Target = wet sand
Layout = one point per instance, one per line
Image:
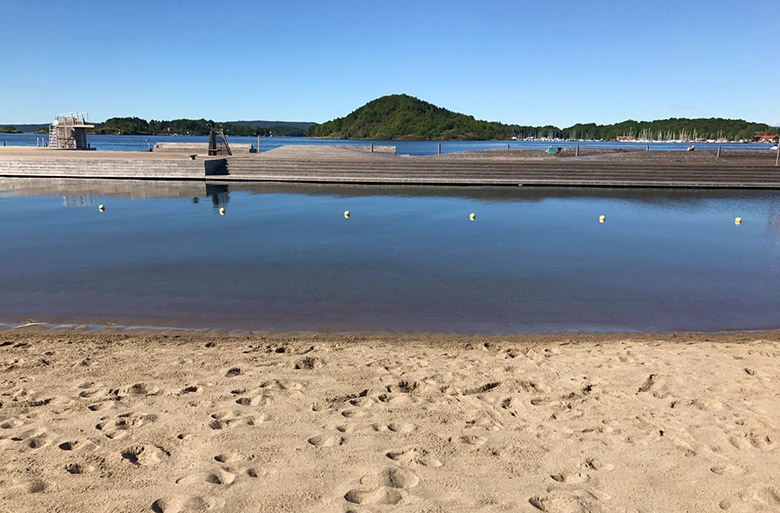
(181, 421)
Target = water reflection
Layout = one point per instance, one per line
(408, 258)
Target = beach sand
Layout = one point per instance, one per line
(178, 421)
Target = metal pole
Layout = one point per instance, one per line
(372, 147)
(777, 159)
(439, 148)
(718, 151)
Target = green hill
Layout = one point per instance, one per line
(400, 116)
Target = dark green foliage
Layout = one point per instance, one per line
(672, 129)
(138, 126)
(9, 130)
(401, 116)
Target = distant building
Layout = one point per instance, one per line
(69, 132)
(765, 138)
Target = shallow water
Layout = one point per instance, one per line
(407, 259)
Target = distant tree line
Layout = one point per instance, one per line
(9, 130)
(402, 116)
(138, 126)
(672, 129)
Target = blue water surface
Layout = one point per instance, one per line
(407, 259)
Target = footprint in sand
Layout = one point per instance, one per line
(37, 486)
(472, 440)
(353, 413)
(101, 405)
(753, 441)
(727, 470)
(281, 384)
(378, 496)
(79, 468)
(554, 504)
(401, 427)
(414, 457)
(597, 464)
(570, 477)
(221, 477)
(226, 458)
(386, 487)
(753, 500)
(10, 423)
(145, 455)
(80, 445)
(233, 372)
(119, 427)
(326, 440)
(223, 420)
(140, 389)
(309, 363)
(37, 441)
(392, 477)
(181, 503)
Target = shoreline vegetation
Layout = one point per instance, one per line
(180, 421)
(401, 117)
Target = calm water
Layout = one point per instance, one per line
(285, 258)
(143, 143)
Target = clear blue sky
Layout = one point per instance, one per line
(514, 61)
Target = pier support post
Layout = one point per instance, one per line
(439, 148)
(718, 151)
(372, 147)
(647, 148)
(258, 144)
(777, 159)
(577, 151)
(507, 146)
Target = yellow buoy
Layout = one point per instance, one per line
(102, 208)
(738, 220)
(346, 214)
(602, 218)
(222, 211)
(472, 216)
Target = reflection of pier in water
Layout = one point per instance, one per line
(78, 192)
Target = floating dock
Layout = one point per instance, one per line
(356, 165)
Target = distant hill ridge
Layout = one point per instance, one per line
(400, 116)
(303, 125)
(134, 125)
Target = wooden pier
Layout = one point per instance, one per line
(345, 165)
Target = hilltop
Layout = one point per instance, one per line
(400, 116)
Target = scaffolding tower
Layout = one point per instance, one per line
(69, 132)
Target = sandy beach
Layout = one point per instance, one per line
(180, 421)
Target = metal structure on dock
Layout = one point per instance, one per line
(218, 144)
(69, 132)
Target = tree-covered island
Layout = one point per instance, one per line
(404, 117)
(139, 126)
